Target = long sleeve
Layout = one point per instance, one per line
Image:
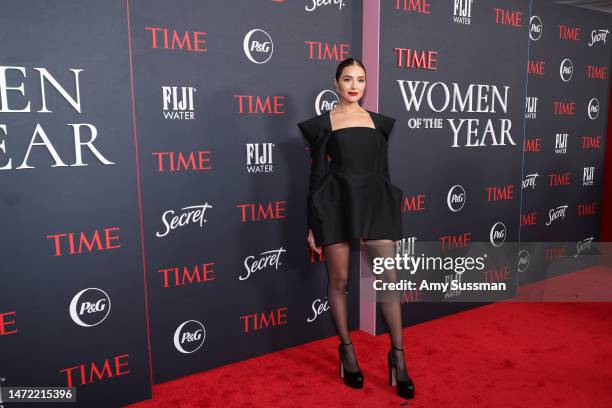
(386, 125)
(318, 165)
(385, 165)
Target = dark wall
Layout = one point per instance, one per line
(242, 109)
(194, 107)
(72, 299)
(565, 139)
(434, 154)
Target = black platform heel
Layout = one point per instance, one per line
(405, 388)
(351, 379)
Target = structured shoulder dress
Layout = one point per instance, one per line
(351, 195)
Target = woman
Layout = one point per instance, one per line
(354, 198)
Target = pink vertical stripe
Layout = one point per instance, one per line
(370, 58)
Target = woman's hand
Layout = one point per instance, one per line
(313, 245)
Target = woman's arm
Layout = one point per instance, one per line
(318, 165)
(386, 125)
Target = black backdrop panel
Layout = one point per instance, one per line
(247, 72)
(72, 296)
(222, 168)
(475, 50)
(567, 105)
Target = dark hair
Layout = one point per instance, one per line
(347, 62)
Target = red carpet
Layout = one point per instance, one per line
(501, 355)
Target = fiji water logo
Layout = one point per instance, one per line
(178, 102)
(405, 247)
(462, 11)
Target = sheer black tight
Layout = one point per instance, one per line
(337, 258)
(389, 300)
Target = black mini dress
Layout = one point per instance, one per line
(352, 196)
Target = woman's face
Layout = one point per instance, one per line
(351, 83)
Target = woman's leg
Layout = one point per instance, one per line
(337, 256)
(390, 302)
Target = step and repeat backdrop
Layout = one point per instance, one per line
(72, 299)
(501, 111)
(458, 94)
(218, 89)
(153, 179)
(567, 117)
(150, 156)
